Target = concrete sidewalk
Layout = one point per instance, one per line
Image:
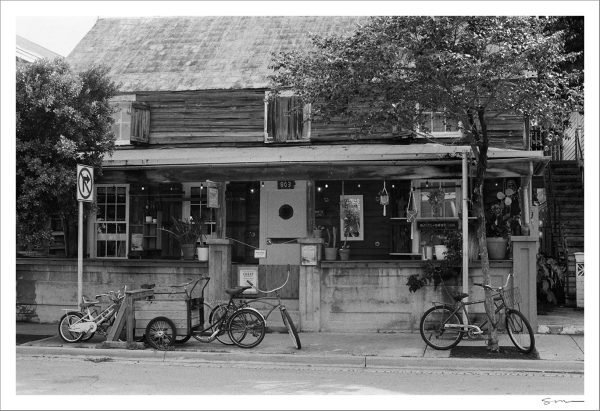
(558, 353)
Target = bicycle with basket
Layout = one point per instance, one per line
(442, 325)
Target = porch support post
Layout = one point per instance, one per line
(219, 269)
(525, 249)
(309, 293)
(526, 229)
(465, 227)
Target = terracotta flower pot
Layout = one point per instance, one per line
(497, 248)
(188, 251)
(344, 254)
(439, 251)
(330, 253)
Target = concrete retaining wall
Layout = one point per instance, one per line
(45, 286)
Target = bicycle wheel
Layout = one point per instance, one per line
(246, 328)
(161, 333)
(63, 327)
(289, 324)
(180, 339)
(206, 324)
(433, 329)
(220, 311)
(520, 331)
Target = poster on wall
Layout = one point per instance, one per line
(248, 273)
(352, 218)
(308, 254)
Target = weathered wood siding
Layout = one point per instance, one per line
(218, 116)
(237, 116)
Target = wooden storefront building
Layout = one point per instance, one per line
(193, 118)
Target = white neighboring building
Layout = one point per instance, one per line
(28, 51)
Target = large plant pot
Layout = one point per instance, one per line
(188, 251)
(497, 248)
(427, 252)
(330, 253)
(202, 253)
(344, 254)
(317, 233)
(439, 251)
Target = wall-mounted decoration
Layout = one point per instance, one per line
(248, 273)
(308, 254)
(351, 216)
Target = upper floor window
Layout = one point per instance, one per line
(286, 119)
(122, 125)
(439, 124)
(132, 122)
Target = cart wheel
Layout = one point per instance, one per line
(180, 339)
(161, 333)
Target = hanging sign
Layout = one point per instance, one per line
(438, 225)
(260, 253)
(85, 182)
(212, 194)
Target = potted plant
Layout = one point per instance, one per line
(436, 197)
(188, 231)
(498, 232)
(318, 231)
(330, 248)
(351, 224)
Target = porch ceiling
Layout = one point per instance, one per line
(331, 159)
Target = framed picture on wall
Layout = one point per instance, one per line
(352, 218)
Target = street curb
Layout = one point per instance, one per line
(449, 364)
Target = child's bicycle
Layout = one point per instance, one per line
(81, 325)
(442, 326)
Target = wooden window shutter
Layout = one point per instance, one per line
(140, 123)
(285, 121)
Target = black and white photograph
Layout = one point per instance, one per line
(299, 205)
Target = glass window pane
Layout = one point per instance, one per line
(101, 195)
(121, 228)
(101, 228)
(111, 228)
(438, 122)
(120, 213)
(121, 195)
(122, 249)
(111, 248)
(101, 248)
(110, 213)
(110, 195)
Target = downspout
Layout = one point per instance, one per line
(465, 231)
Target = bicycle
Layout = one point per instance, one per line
(287, 320)
(441, 328)
(245, 326)
(82, 325)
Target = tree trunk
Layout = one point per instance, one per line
(490, 308)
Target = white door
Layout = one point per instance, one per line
(283, 219)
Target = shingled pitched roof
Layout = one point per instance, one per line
(196, 53)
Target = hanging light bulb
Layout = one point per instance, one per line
(358, 185)
(427, 183)
(319, 189)
(252, 190)
(326, 185)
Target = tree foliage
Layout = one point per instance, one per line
(392, 69)
(62, 119)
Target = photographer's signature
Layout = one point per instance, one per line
(548, 401)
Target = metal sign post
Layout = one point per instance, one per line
(85, 189)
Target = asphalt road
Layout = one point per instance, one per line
(68, 375)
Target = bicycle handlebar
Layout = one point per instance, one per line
(489, 287)
(276, 289)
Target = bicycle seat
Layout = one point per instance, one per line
(86, 304)
(459, 296)
(238, 290)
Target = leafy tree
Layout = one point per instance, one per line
(63, 119)
(392, 69)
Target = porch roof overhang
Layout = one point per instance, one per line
(320, 161)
